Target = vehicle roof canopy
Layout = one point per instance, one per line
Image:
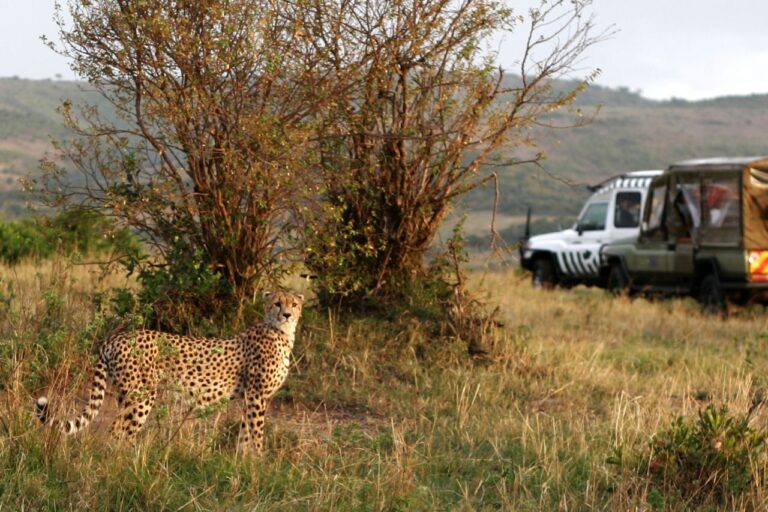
(721, 164)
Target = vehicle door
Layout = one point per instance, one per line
(582, 256)
(649, 264)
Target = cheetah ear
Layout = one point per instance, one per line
(266, 295)
(300, 297)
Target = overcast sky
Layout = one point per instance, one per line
(690, 49)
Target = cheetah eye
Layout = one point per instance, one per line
(277, 304)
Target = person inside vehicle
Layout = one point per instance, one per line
(627, 212)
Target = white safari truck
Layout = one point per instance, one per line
(612, 212)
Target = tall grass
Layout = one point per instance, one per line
(388, 414)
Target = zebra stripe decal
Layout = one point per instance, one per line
(578, 263)
(564, 268)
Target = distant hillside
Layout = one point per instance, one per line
(629, 132)
(28, 120)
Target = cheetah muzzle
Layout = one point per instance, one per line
(250, 366)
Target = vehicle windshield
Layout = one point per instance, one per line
(593, 218)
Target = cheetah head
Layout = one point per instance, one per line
(282, 310)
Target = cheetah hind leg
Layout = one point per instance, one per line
(133, 409)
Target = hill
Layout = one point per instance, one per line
(629, 132)
(28, 120)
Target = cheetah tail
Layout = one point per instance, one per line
(89, 413)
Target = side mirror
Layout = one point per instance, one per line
(579, 229)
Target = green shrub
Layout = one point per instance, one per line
(87, 232)
(67, 233)
(180, 293)
(435, 296)
(20, 240)
(710, 458)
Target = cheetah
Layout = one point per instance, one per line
(250, 366)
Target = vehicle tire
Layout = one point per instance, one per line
(711, 296)
(618, 283)
(544, 277)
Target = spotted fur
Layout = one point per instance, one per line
(252, 366)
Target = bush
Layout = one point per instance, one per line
(67, 233)
(435, 296)
(711, 458)
(87, 232)
(341, 256)
(177, 294)
(22, 240)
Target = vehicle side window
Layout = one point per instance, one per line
(655, 214)
(626, 213)
(594, 217)
(721, 219)
(691, 193)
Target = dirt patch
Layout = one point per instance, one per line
(319, 421)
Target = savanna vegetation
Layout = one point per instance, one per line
(247, 142)
(579, 401)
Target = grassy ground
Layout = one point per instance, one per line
(390, 413)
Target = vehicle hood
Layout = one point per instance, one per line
(556, 236)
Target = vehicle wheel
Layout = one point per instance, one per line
(711, 296)
(618, 283)
(544, 274)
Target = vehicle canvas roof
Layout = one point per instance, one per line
(721, 164)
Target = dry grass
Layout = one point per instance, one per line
(385, 414)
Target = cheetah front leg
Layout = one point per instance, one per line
(252, 425)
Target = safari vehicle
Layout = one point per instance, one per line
(704, 233)
(572, 256)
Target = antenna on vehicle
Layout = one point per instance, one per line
(527, 223)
